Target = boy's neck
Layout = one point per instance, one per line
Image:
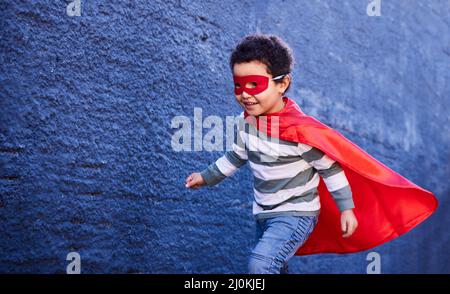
(281, 106)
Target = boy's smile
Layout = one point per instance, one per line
(255, 89)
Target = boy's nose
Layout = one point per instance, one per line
(245, 95)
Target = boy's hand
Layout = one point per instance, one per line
(195, 181)
(348, 223)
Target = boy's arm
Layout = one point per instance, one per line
(227, 164)
(332, 174)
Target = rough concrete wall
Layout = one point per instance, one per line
(85, 126)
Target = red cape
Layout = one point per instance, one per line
(387, 205)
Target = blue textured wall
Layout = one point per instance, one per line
(85, 126)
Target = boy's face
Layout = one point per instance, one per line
(263, 102)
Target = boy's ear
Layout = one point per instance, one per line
(286, 82)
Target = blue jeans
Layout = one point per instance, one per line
(278, 239)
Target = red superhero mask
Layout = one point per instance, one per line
(252, 84)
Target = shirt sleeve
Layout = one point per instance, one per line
(227, 164)
(332, 174)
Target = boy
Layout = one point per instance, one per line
(287, 170)
(288, 184)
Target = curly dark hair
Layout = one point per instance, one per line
(268, 49)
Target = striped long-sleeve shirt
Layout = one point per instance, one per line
(286, 174)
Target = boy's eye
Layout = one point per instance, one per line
(237, 85)
(250, 85)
